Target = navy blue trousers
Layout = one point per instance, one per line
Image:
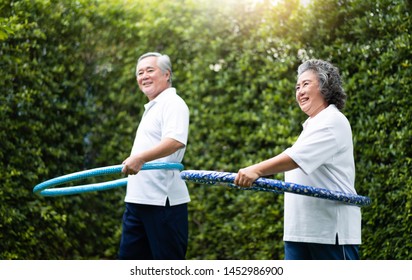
(154, 232)
(315, 251)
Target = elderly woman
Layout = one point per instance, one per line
(321, 157)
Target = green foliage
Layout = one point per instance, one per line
(69, 101)
(381, 123)
(45, 122)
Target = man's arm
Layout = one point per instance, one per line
(134, 163)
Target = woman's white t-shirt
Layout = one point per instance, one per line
(324, 153)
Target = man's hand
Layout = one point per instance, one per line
(132, 165)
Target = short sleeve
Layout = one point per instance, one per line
(175, 120)
(313, 148)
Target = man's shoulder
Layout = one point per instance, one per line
(172, 97)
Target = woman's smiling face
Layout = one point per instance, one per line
(308, 95)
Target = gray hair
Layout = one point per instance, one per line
(330, 83)
(163, 62)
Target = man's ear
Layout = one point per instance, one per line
(168, 76)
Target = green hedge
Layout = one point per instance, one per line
(69, 101)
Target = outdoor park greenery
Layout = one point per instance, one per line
(69, 102)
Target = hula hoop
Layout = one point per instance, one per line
(43, 188)
(196, 176)
(270, 185)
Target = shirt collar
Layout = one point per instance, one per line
(161, 97)
(308, 120)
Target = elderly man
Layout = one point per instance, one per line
(155, 221)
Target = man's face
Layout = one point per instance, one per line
(150, 78)
(308, 95)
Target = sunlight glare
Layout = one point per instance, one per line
(305, 3)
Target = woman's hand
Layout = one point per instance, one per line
(246, 176)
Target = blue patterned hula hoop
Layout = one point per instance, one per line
(44, 188)
(270, 185)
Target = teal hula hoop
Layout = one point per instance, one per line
(44, 188)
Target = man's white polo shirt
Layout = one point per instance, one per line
(166, 116)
